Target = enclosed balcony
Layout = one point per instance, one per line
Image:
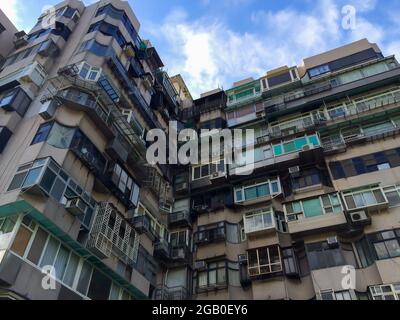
(365, 198)
(171, 293)
(15, 100)
(210, 234)
(112, 234)
(313, 215)
(83, 101)
(299, 124)
(265, 262)
(260, 222)
(179, 219)
(45, 178)
(142, 224)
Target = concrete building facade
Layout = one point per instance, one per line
(83, 215)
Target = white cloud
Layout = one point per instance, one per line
(13, 9)
(208, 53)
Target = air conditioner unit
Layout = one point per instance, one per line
(307, 147)
(76, 206)
(332, 242)
(218, 175)
(359, 217)
(48, 110)
(199, 265)
(294, 171)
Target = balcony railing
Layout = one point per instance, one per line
(87, 101)
(297, 125)
(210, 236)
(181, 218)
(106, 237)
(340, 143)
(364, 105)
(173, 293)
(142, 224)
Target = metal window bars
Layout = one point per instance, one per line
(106, 236)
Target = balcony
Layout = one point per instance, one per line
(162, 250)
(142, 225)
(294, 126)
(261, 222)
(179, 219)
(174, 293)
(211, 235)
(339, 143)
(45, 178)
(135, 68)
(82, 101)
(33, 72)
(370, 198)
(133, 91)
(111, 234)
(15, 100)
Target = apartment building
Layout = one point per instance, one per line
(77, 95)
(83, 215)
(318, 218)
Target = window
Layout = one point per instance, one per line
(45, 250)
(321, 255)
(264, 261)
(309, 177)
(124, 182)
(259, 220)
(386, 244)
(53, 181)
(204, 171)
(213, 276)
(120, 15)
(364, 198)
(318, 70)
(392, 193)
(109, 30)
(88, 72)
(290, 262)
(210, 233)
(15, 100)
(385, 292)
(6, 232)
(254, 190)
(335, 295)
(296, 145)
(42, 133)
(313, 207)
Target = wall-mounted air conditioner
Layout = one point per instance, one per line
(76, 206)
(359, 217)
(48, 110)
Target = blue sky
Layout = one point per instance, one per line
(213, 43)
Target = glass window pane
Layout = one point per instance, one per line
(263, 190)
(32, 177)
(16, 183)
(393, 248)
(50, 252)
(61, 262)
(71, 270)
(84, 278)
(312, 208)
(250, 193)
(100, 286)
(21, 240)
(37, 246)
(48, 179)
(381, 251)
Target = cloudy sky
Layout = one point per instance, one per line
(213, 43)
